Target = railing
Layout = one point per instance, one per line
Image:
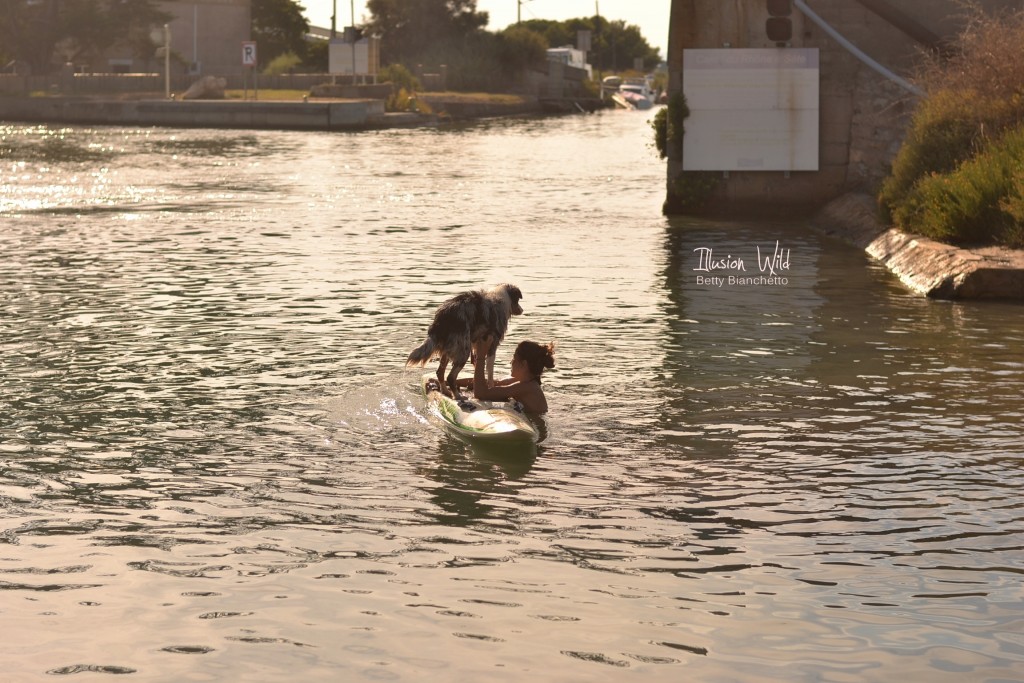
(119, 84)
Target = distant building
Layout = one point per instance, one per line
(208, 34)
(572, 57)
(206, 39)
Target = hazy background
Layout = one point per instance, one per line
(651, 16)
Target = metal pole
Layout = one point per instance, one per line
(167, 61)
(353, 7)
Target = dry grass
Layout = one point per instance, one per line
(986, 58)
(951, 177)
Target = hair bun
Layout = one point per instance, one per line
(549, 357)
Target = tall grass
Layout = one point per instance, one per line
(978, 202)
(958, 175)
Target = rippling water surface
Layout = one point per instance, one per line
(214, 467)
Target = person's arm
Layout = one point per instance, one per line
(482, 389)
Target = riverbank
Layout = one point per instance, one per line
(280, 114)
(925, 266)
(298, 114)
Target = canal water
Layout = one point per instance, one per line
(214, 466)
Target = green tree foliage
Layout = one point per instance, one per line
(315, 60)
(451, 32)
(410, 29)
(615, 45)
(278, 27)
(48, 33)
(400, 78)
(521, 48)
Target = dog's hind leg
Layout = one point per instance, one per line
(440, 375)
(453, 376)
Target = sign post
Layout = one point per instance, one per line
(249, 60)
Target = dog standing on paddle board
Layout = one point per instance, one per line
(460, 322)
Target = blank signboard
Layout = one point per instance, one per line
(751, 109)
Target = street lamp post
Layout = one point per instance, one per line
(167, 61)
(164, 34)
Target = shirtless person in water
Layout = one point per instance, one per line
(529, 362)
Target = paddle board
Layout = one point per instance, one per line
(477, 420)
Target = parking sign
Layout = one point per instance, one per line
(249, 53)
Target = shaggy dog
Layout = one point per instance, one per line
(459, 323)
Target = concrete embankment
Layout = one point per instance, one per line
(313, 114)
(925, 266)
(323, 115)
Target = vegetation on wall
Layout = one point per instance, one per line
(689, 190)
(959, 176)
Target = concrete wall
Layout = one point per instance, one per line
(352, 114)
(863, 116)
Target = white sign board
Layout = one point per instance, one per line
(583, 40)
(366, 54)
(249, 53)
(751, 109)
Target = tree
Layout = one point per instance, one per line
(617, 44)
(411, 28)
(614, 44)
(521, 49)
(48, 31)
(279, 27)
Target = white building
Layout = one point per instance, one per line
(572, 57)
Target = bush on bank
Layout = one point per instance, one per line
(959, 176)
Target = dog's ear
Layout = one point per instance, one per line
(514, 292)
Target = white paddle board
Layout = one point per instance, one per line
(477, 420)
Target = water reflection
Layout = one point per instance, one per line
(469, 481)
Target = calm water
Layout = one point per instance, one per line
(214, 467)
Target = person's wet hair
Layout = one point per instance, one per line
(538, 357)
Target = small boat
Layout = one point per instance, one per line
(637, 92)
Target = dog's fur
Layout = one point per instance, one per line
(460, 322)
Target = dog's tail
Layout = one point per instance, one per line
(422, 353)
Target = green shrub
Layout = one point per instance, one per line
(400, 78)
(942, 134)
(980, 201)
(403, 100)
(282, 64)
